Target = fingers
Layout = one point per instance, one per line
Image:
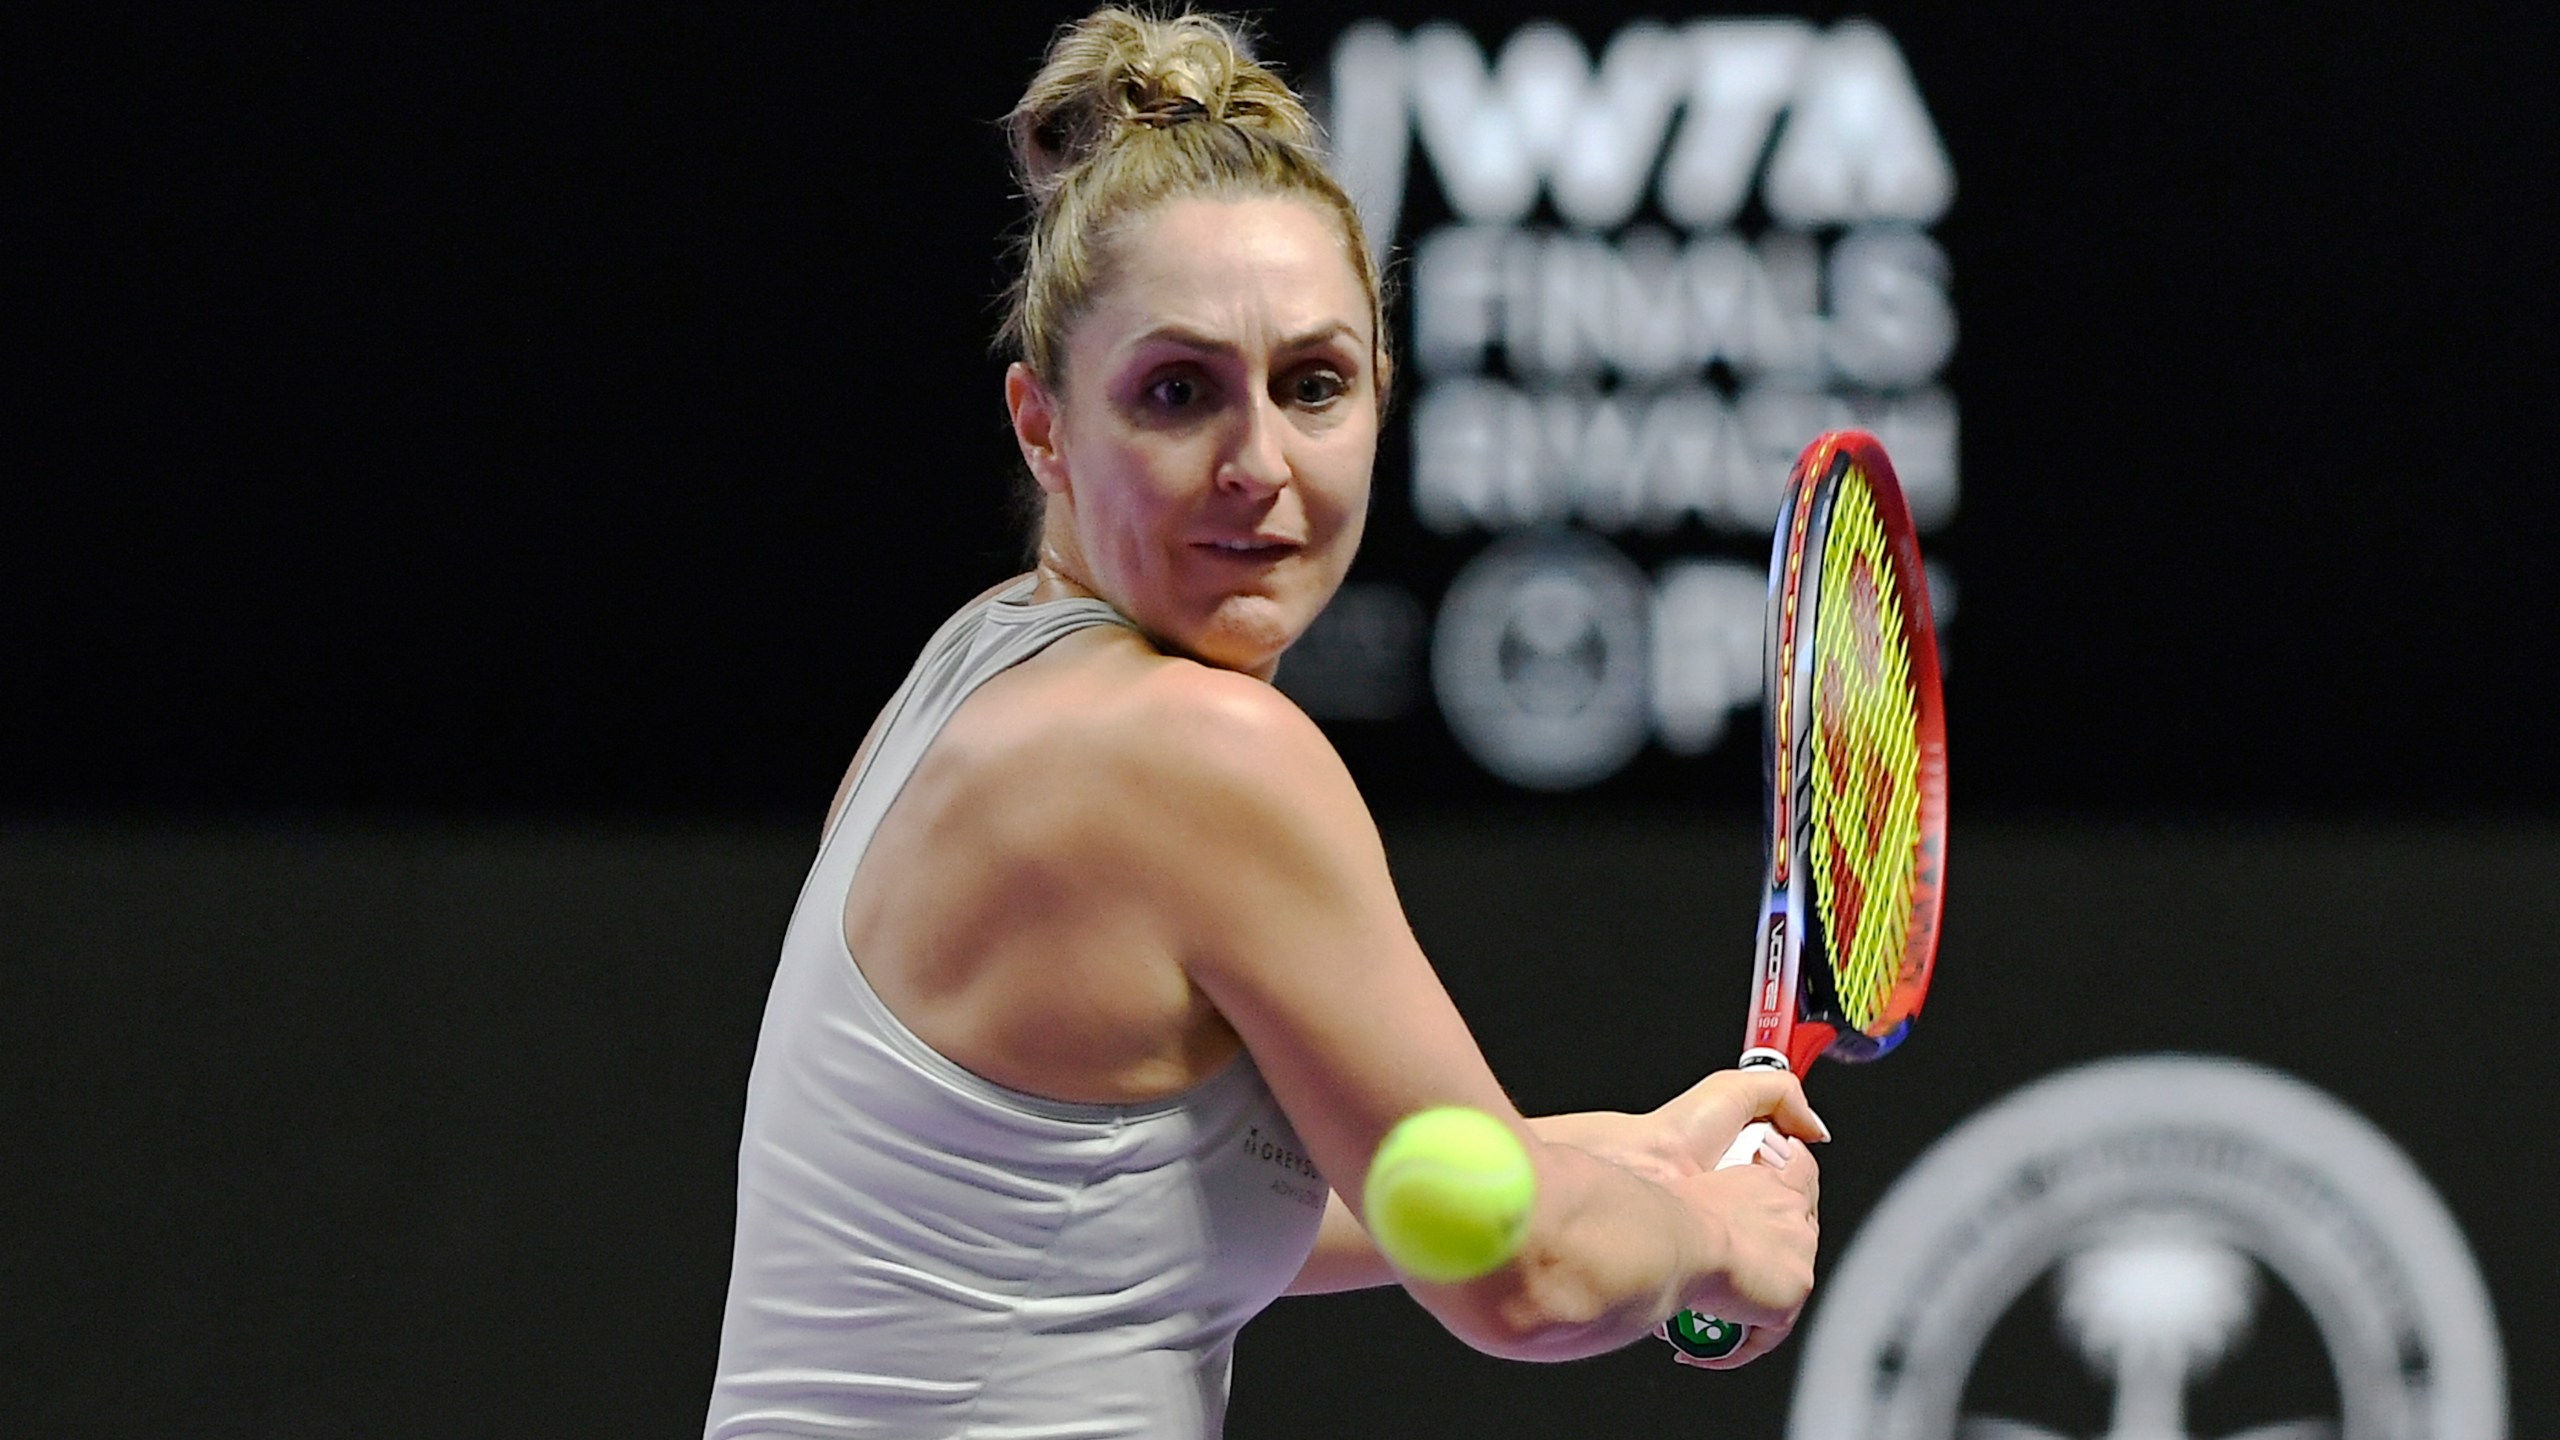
(1777, 1151)
(1739, 1096)
(1709, 1112)
(1771, 1209)
(1790, 1111)
(1796, 1167)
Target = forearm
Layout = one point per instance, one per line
(1610, 1253)
(1612, 1135)
(1345, 1258)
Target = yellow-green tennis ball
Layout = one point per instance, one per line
(1449, 1194)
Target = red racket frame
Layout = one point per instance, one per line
(1795, 1009)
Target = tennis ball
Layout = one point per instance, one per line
(1449, 1194)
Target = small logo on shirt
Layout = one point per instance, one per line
(1303, 1182)
(1272, 1151)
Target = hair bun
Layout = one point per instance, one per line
(1117, 71)
(1163, 114)
(1128, 112)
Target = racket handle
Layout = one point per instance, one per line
(1746, 1144)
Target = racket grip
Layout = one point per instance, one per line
(1707, 1337)
(1746, 1144)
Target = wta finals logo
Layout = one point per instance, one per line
(2165, 1248)
(1649, 275)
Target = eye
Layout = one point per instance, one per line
(1174, 392)
(1317, 387)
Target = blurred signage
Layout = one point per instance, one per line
(2162, 1247)
(1637, 280)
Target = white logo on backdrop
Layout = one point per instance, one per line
(1609, 334)
(1539, 658)
(2162, 1199)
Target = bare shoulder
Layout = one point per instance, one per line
(1180, 769)
(1210, 737)
(1226, 727)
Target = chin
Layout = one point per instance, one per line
(1248, 632)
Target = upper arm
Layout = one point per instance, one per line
(1288, 922)
(1253, 849)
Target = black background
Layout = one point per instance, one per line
(475, 471)
(582, 410)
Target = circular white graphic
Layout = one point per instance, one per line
(2153, 1192)
(1539, 660)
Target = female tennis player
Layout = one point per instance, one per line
(1098, 999)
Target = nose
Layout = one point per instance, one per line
(1259, 464)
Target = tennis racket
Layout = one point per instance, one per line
(1854, 757)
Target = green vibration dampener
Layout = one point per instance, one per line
(1704, 1336)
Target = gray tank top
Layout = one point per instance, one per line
(922, 1252)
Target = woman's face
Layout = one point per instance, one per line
(1207, 465)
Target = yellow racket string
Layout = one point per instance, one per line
(1866, 758)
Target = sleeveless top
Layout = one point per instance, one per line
(923, 1252)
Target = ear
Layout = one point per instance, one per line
(1035, 426)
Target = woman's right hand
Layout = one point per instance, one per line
(1688, 1134)
(1769, 1220)
(1697, 1126)
(1769, 1212)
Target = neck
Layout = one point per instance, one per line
(1059, 577)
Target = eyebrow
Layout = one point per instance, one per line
(1188, 338)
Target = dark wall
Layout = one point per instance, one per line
(480, 411)
(413, 1132)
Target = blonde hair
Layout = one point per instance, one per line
(1127, 112)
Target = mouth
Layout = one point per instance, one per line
(1249, 548)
